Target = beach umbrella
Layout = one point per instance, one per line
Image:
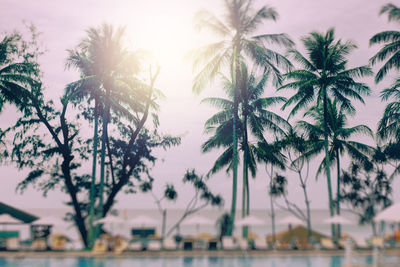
(49, 221)
(250, 221)
(143, 221)
(197, 221)
(337, 219)
(390, 214)
(110, 220)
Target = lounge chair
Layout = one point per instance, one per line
(58, 244)
(120, 245)
(327, 243)
(39, 244)
(228, 243)
(135, 245)
(12, 244)
(100, 246)
(260, 243)
(361, 243)
(187, 243)
(212, 244)
(243, 243)
(377, 242)
(154, 245)
(169, 243)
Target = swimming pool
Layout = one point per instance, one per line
(271, 261)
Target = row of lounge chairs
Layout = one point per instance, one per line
(227, 243)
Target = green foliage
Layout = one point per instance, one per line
(391, 44)
(367, 190)
(278, 185)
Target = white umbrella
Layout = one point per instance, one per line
(49, 220)
(7, 219)
(293, 220)
(249, 221)
(337, 219)
(110, 220)
(197, 221)
(143, 220)
(390, 214)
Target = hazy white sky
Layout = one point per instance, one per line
(165, 27)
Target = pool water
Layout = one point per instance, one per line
(271, 261)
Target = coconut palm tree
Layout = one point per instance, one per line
(391, 41)
(338, 135)
(16, 78)
(388, 126)
(254, 115)
(107, 76)
(325, 75)
(237, 42)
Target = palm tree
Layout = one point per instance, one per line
(391, 41)
(107, 70)
(237, 42)
(388, 126)
(254, 115)
(325, 75)
(338, 135)
(77, 91)
(15, 77)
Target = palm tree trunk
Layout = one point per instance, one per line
(244, 228)
(103, 154)
(338, 191)
(235, 143)
(93, 182)
(272, 219)
(327, 162)
(246, 191)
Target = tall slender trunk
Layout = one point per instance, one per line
(103, 153)
(235, 142)
(93, 182)
(272, 219)
(327, 161)
(246, 191)
(164, 223)
(307, 201)
(338, 191)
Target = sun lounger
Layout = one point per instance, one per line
(212, 244)
(187, 243)
(120, 246)
(39, 244)
(169, 243)
(243, 243)
(361, 243)
(377, 242)
(260, 243)
(154, 245)
(100, 246)
(58, 244)
(12, 244)
(327, 243)
(228, 243)
(135, 245)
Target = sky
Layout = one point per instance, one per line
(166, 29)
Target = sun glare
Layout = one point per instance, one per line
(167, 33)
